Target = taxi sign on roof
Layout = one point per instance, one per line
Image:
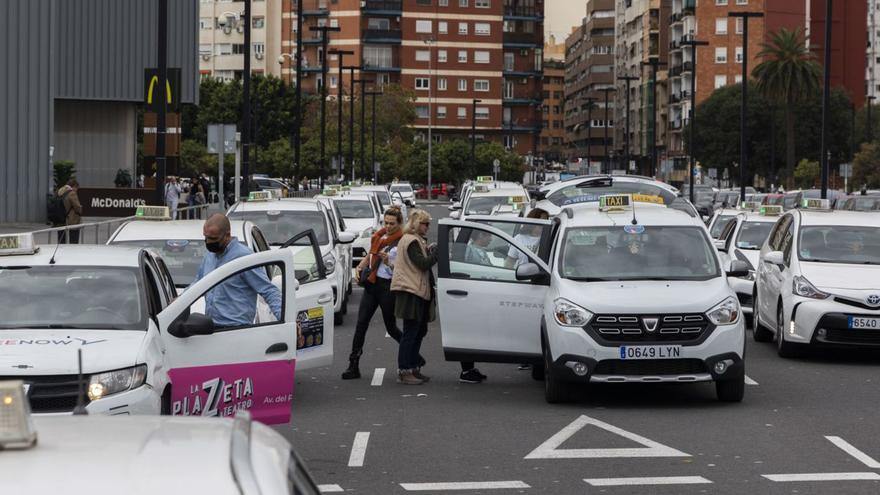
(481, 189)
(17, 244)
(153, 213)
(275, 193)
(771, 210)
(259, 196)
(485, 178)
(516, 199)
(816, 204)
(615, 202)
(329, 192)
(750, 205)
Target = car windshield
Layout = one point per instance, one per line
(840, 244)
(635, 252)
(773, 200)
(753, 234)
(384, 198)
(863, 204)
(719, 225)
(278, 226)
(182, 256)
(58, 296)
(404, 188)
(483, 205)
(351, 208)
(589, 192)
(790, 201)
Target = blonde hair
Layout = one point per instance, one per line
(415, 218)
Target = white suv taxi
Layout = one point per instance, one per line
(818, 279)
(506, 199)
(144, 349)
(603, 293)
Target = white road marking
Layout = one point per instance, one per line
(330, 488)
(387, 335)
(858, 454)
(823, 477)
(749, 381)
(663, 480)
(550, 449)
(467, 485)
(378, 376)
(359, 449)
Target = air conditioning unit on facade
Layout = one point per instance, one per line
(240, 28)
(227, 30)
(258, 56)
(206, 57)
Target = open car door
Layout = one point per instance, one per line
(486, 313)
(215, 371)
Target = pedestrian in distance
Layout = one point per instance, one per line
(233, 303)
(374, 274)
(72, 214)
(172, 195)
(197, 197)
(413, 288)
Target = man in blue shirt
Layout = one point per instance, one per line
(233, 303)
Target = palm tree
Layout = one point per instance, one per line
(788, 74)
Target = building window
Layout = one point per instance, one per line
(482, 4)
(259, 22)
(720, 54)
(742, 2)
(481, 57)
(462, 28)
(509, 142)
(539, 59)
(482, 113)
(441, 56)
(333, 81)
(441, 84)
(205, 49)
(442, 27)
(482, 29)
(441, 112)
(423, 26)
(721, 25)
(334, 23)
(462, 3)
(259, 48)
(509, 58)
(422, 112)
(720, 2)
(739, 25)
(423, 56)
(444, 3)
(379, 23)
(462, 112)
(206, 23)
(423, 83)
(720, 81)
(481, 85)
(462, 84)
(223, 49)
(738, 78)
(738, 53)
(462, 56)
(508, 89)
(378, 56)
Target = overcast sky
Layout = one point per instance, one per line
(561, 15)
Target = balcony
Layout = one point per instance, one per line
(675, 71)
(522, 73)
(687, 67)
(382, 36)
(675, 18)
(523, 13)
(382, 7)
(674, 45)
(523, 40)
(688, 7)
(312, 40)
(384, 64)
(315, 8)
(519, 101)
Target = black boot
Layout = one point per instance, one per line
(352, 372)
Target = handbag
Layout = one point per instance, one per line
(364, 276)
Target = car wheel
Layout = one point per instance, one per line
(783, 348)
(165, 404)
(538, 372)
(731, 390)
(338, 318)
(760, 332)
(555, 391)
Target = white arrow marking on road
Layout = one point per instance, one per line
(330, 488)
(858, 454)
(823, 477)
(550, 449)
(378, 376)
(467, 485)
(359, 449)
(663, 480)
(749, 381)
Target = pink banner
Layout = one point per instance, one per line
(264, 388)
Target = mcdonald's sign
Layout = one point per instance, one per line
(153, 92)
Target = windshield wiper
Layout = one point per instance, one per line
(593, 279)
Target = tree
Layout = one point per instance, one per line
(806, 173)
(866, 167)
(788, 74)
(277, 158)
(194, 158)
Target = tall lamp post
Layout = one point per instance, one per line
(826, 100)
(654, 64)
(627, 80)
(430, 42)
(299, 113)
(363, 83)
(246, 101)
(692, 115)
(351, 91)
(324, 30)
(374, 94)
(590, 101)
(341, 54)
(743, 131)
(474, 131)
(162, 55)
(605, 137)
(869, 125)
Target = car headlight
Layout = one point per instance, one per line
(569, 314)
(802, 287)
(329, 263)
(725, 313)
(112, 382)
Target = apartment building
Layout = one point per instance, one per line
(221, 38)
(872, 57)
(552, 146)
(589, 72)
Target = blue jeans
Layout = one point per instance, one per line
(410, 344)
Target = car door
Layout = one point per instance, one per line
(771, 275)
(486, 314)
(217, 371)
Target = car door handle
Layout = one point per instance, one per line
(326, 298)
(456, 292)
(275, 348)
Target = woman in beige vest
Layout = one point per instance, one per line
(413, 286)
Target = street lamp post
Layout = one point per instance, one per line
(430, 42)
(654, 63)
(374, 94)
(826, 100)
(869, 126)
(299, 113)
(743, 131)
(605, 137)
(692, 117)
(341, 54)
(474, 132)
(323, 165)
(590, 100)
(363, 83)
(351, 69)
(162, 55)
(627, 80)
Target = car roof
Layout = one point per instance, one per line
(754, 216)
(501, 191)
(136, 230)
(286, 204)
(556, 186)
(647, 214)
(840, 217)
(78, 255)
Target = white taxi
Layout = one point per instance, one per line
(281, 219)
(607, 294)
(818, 279)
(144, 349)
(361, 214)
(143, 454)
(405, 192)
(587, 189)
(720, 220)
(492, 198)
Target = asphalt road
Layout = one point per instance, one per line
(806, 426)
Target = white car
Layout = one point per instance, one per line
(281, 219)
(487, 200)
(483, 183)
(361, 219)
(599, 299)
(720, 219)
(587, 189)
(143, 454)
(144, 350)
(405, 190)
(340, 225)
(818, 280)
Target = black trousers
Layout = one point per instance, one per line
(376, 296)
(74, 236)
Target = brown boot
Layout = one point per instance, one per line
(407, 377)
(418, 374)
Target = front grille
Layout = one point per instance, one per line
(837, 331)
(615, 329)
(857, 304)
(650, 367)
(52, 393)
(745, 299)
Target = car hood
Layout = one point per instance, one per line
(646, 297)
(358, 225)
(54, 352)
(842, 276)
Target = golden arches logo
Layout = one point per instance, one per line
(153, 82)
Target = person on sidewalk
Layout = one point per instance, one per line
(413, 288)
(374, 274)
(73, 209)
(172, 195)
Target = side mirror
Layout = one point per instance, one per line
(455, 206)
(408, 202)
(720, 245)
(775, 258)
(194, 324)
(346, 237)
(455, 215)
(738, 268)
(530, 272)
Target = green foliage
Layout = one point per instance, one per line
(63, 171)
(806, 173)
(277, 158)
(194, 158)
(866, 167)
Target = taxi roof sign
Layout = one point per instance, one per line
(259, 196)
(485, 178)
(750, 205)
(482, 188)
(516, 199)
(275, 193)
(16, 425)
(329, 192)
(771, 210)
(145, 212)
(17, 244)
(816, 204)
(615, 202)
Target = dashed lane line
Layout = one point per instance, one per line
(330, 489)
(749, 381)
(467, 485)
(359, 449)
(661, 480)
(822, 477)
(858, 454)
(378, 376)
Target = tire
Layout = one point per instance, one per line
(760, 332)
(165, 404)
(555, 391)
(344, 308)
(731, 390)
(783, 348)
(338, 318)
(538, 373)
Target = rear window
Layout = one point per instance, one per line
(278, 226)
(587, 192)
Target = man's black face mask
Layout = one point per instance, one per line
(214, 247)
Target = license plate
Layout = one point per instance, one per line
(650, 351)
(869, 323)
